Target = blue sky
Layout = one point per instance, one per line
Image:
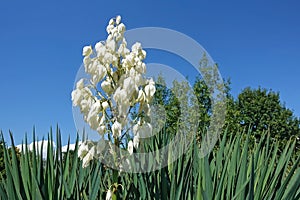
(255, 43)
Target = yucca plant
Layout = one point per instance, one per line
(231, 171)
(36, 177)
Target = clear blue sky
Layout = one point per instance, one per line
(255, 43)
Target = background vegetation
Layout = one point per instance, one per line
(256, 157)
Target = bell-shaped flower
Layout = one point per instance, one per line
(121, 28)
(80, 84)
(107, 87)
(117, 129)
(88, 157)
(136, 141)
(135, 129)
(93, 115)
(130, 147)
(85, 105)
(140, 67)
(105, 105)
(108, 58)
(142, 54)
(111, 45)
(102, 120)
(150, 90)
(101, 129)
(109, 28)
(82, 150)
(139, 79)
(129, 86)
(136, 47)
(123, 108)
(109, 195)
(86, 62)
(100, 49)
(87, 51)
(123, 51)
(98, 74)
(118, 19)
(111, 22)
(76, 97)
(120, 95)
(141, 96)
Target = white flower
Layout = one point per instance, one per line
(87, 61)
(109, 195)
(85, 105)
(82, 150)
(136, 47)
(88, 157)
(142, 55)
(150, 90)
(116, 129)
(87, 51)
(93, 115)
(140, 67)
(108, 58)
(129, 86)
(109, 28)
(120, 95)
(111, 45)
(100, 49)
(135, 129)
(111, 22)
(123, 50)
(105, 105)
(76, 97)
(101, 129)
(100, 72)
(130, 147)
(118, 19)
(123, 108)
(139, 79)
(121, 28)
(141, 96)
(102, 120)
(136, 141)
(80, 84)
(106, 86)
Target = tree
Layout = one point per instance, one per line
(261, 110)
(3, 148)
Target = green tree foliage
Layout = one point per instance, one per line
(2, 163)
(259, 110)
(169, 105)
(262, 110)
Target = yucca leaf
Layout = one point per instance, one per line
(283, 188)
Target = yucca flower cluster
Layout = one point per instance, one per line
(116, 84)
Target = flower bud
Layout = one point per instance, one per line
(118, 19)
(116, 129)
(87, 50)
(130, 147)
(105, 105)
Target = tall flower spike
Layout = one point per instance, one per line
(115, 84)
